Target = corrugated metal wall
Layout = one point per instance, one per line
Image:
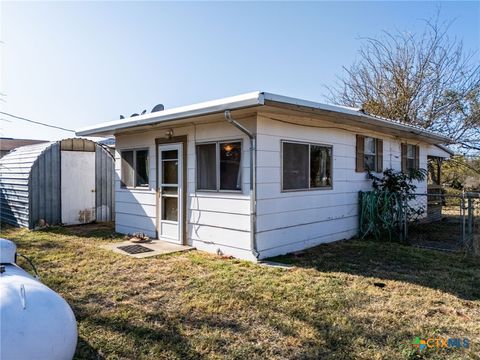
(105, 184)
(45, 197)
(30, 183)
(15, 195)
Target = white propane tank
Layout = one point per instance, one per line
(35, 322)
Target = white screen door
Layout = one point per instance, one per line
(170, 190)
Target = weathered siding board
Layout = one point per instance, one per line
(290, 221)
(219, 205)
(136, 209)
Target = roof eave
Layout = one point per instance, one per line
(360, 116)
(205, 108)
(251, 100)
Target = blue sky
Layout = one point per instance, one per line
(74, 64)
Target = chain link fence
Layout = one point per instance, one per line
(444, 221)
(438, 220)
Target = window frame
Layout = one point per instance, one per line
(217, 165)
(404, 156)
(134, 150)
(414, 158)
(309, 144)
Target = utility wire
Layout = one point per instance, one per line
(36, 122)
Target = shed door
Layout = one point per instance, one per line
(78, 187)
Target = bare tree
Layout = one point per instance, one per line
(425, 80)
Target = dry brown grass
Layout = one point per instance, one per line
(195, 305)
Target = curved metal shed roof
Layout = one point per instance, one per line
(30, 181)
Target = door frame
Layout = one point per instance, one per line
(183, 220)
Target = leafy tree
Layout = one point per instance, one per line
(461, 172)
(423, 79)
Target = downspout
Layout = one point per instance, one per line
(253, 181)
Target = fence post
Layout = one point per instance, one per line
(470, 220)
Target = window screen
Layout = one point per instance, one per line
(141, 168)
(320, 166)
(127, 168)
(134, 168)
(230, 175)
(411, 161)
(295, 166)
(370, 153)
(206, 167)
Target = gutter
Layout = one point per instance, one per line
(253, 181)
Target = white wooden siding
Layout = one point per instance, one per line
(286, 221)
(216, 222)
(295, 220)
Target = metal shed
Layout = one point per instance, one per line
(68, 182)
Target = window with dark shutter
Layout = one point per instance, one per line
(369, 156)
(360, 162)
(410, 157)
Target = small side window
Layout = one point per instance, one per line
(410, 157)
(369, 154)
(134, 168)
(127, 169)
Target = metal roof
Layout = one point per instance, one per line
(7, 144)
(254, 99)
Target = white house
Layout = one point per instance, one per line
(255, 175)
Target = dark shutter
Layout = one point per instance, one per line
(404, 158)
(379, 165)
(360, 157)
(417, 157)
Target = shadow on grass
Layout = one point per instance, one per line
(104, 230)
(449, 272)
(86, 351)
(156, 332)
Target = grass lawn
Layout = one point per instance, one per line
(195, 305)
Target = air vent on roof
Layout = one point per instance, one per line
(158, 107)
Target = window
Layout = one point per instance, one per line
(410, 157)
(306, 166)
(134, 168)
(219, 166)
(369, 154)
